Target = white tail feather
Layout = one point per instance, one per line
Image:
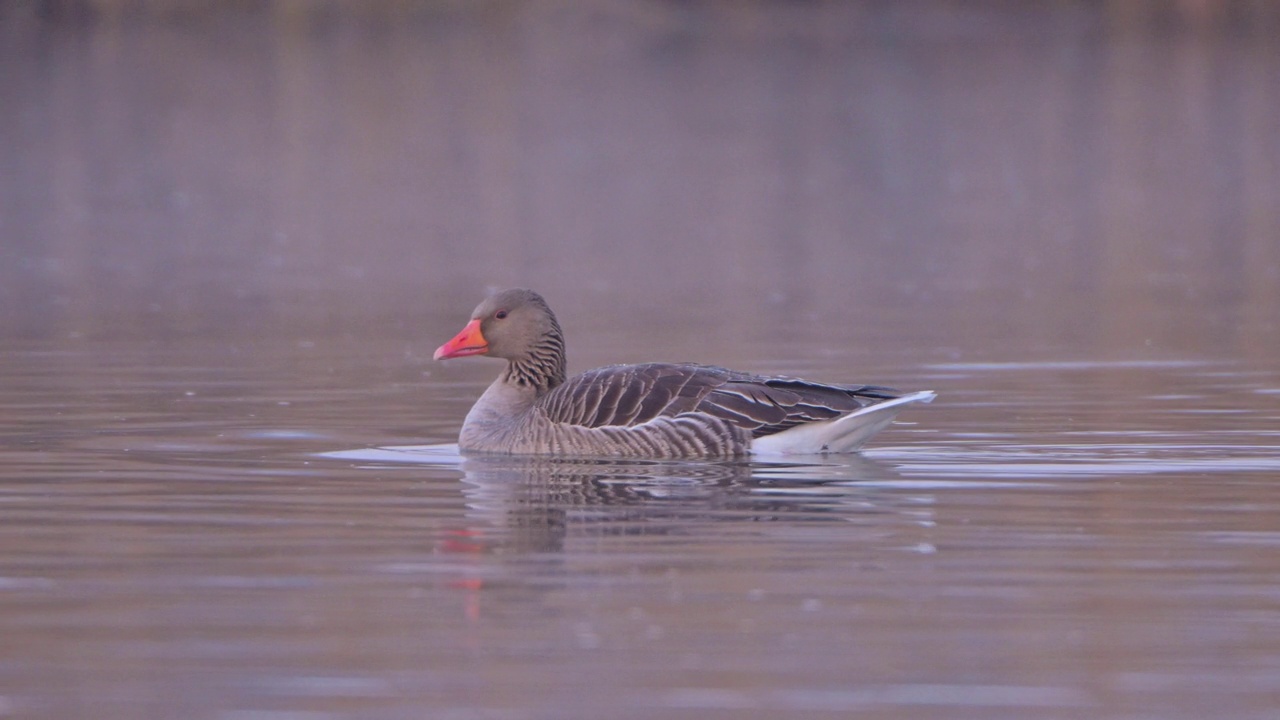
(844, 434)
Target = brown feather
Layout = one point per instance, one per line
(629, 395)
(654, 409)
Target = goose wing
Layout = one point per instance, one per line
(628, 395)
(768, 405)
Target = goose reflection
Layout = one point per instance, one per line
(533, 504)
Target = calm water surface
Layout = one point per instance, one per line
(231, 234)
(176, 545)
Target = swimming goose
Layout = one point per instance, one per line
(653, 410)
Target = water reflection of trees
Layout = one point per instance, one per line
(1100, 175)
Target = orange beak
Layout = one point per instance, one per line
(468, 342)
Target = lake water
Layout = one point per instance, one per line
(231, 238)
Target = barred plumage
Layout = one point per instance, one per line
(647, 410)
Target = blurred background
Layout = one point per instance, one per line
(233, 231)
(1051, 179)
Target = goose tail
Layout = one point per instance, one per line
(844, 434)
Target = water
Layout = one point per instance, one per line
(178, 545)
(230, 240)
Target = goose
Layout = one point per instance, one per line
(651, 410)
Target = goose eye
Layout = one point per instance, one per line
(501, 314)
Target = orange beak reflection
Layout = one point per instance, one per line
(468, 342)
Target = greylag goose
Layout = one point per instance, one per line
(654, 410)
